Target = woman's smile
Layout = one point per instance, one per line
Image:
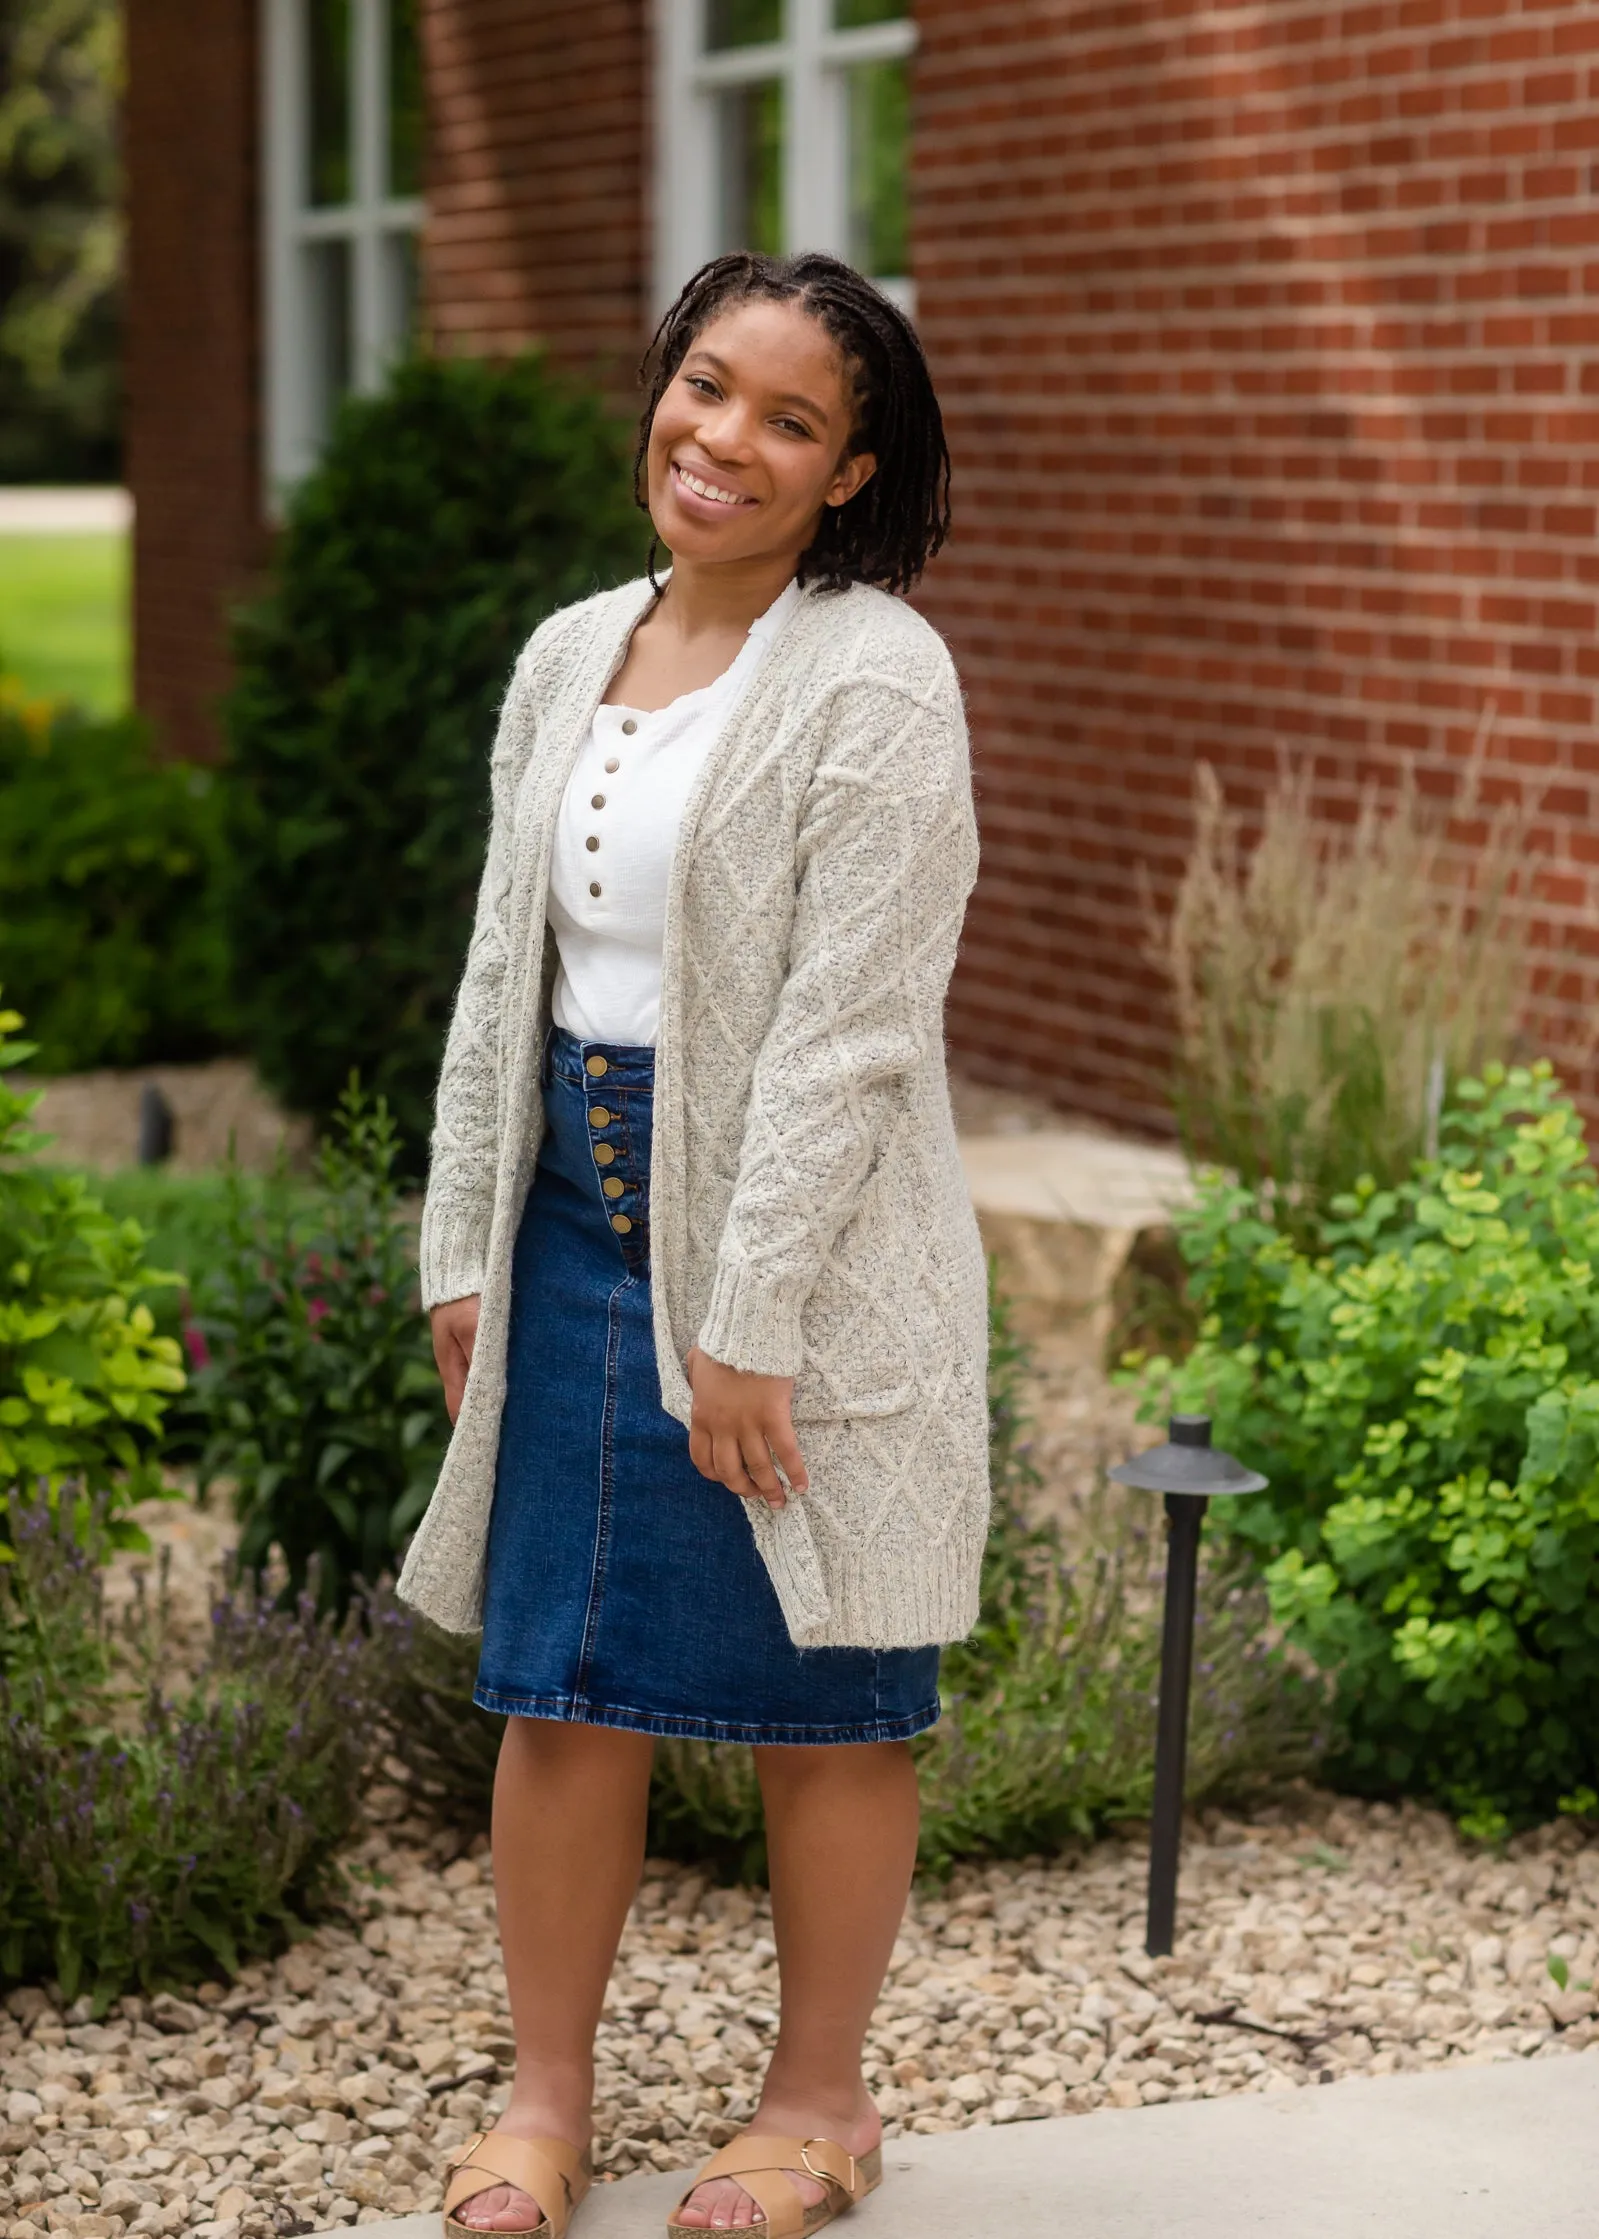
(692, 486)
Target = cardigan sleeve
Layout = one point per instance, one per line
(459, 1206)
(885, 860)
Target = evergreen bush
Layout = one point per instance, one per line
(447, 517)
(111, 928)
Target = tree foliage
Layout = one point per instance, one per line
(60, 240)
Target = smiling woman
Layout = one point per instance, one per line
(707, 1294)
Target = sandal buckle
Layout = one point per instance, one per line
(826, 2176)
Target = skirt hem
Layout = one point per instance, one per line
(574, 1710)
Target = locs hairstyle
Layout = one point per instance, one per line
(892, 526)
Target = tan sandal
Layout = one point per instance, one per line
(761, 2166)
(548, 2170)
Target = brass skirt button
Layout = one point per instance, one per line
(613, 1185)
(603, 1154)
(598, 1115)
(621, 1223)
(596, 1065)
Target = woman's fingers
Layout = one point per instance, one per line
(790, 1460)
(758, 1464)
(728, 1453)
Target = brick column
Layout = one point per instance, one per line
(191, 352)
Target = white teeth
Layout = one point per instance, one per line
(709, 489)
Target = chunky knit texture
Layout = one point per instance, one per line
(808, 1214)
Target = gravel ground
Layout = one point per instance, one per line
(1319, 1940)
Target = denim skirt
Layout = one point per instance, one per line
(624, 1589)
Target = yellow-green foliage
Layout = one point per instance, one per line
(85, 1378)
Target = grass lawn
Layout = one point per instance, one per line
(64, 616)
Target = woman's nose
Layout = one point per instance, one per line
(726, 432)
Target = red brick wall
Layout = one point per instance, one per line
(191, 344)
(1268, 336)
(538, 166)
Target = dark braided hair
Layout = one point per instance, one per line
(889, 530)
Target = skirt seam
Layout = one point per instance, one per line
(577, 1710)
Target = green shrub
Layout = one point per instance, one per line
(156, 1834)
(1048, 1726)
(111, 928)
(446, 518)
(315, 1389)
(1421, 1384)
(85, 1377)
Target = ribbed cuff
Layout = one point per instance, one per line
(453, 1252)
(751, 1324)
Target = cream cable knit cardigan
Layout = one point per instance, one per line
(808, 1214)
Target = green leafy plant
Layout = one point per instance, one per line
(85, 1377)
(111, 928)
(315, 1390)
(156, 1833)
(1332, 981)
(445, 519)
(1421, 1384)
(1048, 1725)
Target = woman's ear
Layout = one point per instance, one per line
(853, 475)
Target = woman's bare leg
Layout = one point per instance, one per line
(569, 1813)
(841, 1826)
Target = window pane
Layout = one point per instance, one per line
(879, 144)
(742, 23)
(327, 41)
(849, 15)
(401, 292)
(405, 100)
(327, 343)
(751, 135)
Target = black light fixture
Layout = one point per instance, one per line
(155, 1126)
(1190, 1472)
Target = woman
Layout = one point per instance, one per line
(706, 1290)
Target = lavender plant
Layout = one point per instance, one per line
(152, 1836)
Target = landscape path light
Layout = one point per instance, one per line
(1190, 1472)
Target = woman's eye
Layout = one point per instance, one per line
(702, 382)
(793, 427)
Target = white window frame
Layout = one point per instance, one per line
(811, 61)
(368, 222)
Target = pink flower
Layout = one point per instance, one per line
(199, 1351)
(316, 1309)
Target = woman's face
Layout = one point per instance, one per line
(751, 438)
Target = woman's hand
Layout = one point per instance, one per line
(740, 1421)
(454, 1327)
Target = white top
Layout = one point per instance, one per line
(615, 836)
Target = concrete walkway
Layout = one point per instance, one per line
(1503, 2152)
